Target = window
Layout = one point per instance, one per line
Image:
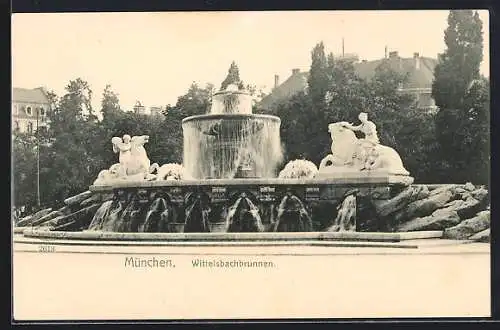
(16, 126)
(41, 111)
(30, 127)
(43, 129)
(29, 111)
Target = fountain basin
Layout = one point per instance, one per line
(233, 116)
(269, 201)
(231, 100)
(344, 180)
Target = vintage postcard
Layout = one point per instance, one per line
(250, 165)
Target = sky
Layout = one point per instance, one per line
(154, 57)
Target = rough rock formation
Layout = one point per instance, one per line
(461, 211)
(77, 199)
(401, 200)
(469, 227)
(431, 207)
(28, 221)
(75, 215)
(436, 221)
(482, 236)
(426, 206)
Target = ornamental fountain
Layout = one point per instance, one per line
(231, 142)
(229, 183)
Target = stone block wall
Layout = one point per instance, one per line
(461, 211)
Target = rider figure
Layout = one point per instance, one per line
(366, 127)
(369, 129)
(124, 148)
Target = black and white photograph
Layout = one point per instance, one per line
(250, 165)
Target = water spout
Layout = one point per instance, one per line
(243, 216)
(292, 216)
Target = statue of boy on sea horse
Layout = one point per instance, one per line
(365, 154)
(133, 158)
(134, 163)
(366, 146)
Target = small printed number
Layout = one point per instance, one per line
(46, 248)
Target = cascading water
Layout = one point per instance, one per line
(231, 142)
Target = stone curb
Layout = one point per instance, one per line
(224, 237)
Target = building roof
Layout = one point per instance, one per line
(295, 83)
(420, 75)
(35, 95)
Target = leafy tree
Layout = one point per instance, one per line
(169, 145)
(74, 160)
(461, 123)
(233, 77)
(110, 103)
(24, 173)
(295, 129)
(306, 116)
(417, 145)
(318, 76)
(53, 99)
(387, 106)
(464, 141)
(459, 64)
(113, 118)
(477, 109)
(346, 93)
(196, 101)
(303, 116)
(257, 94)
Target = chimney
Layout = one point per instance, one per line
(416, 58)
(295, 71)
(393, 54)
(276, 80)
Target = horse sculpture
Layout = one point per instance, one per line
(134, 163)
(134, 160)
(350, 154)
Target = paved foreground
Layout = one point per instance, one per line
(109, 281)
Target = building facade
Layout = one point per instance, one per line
(139, 108)
(156, 111)
(420, 72)
(30, 109)
(153, 111)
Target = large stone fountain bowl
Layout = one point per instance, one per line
(226, 145)
(231, 101)
(231, 116)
